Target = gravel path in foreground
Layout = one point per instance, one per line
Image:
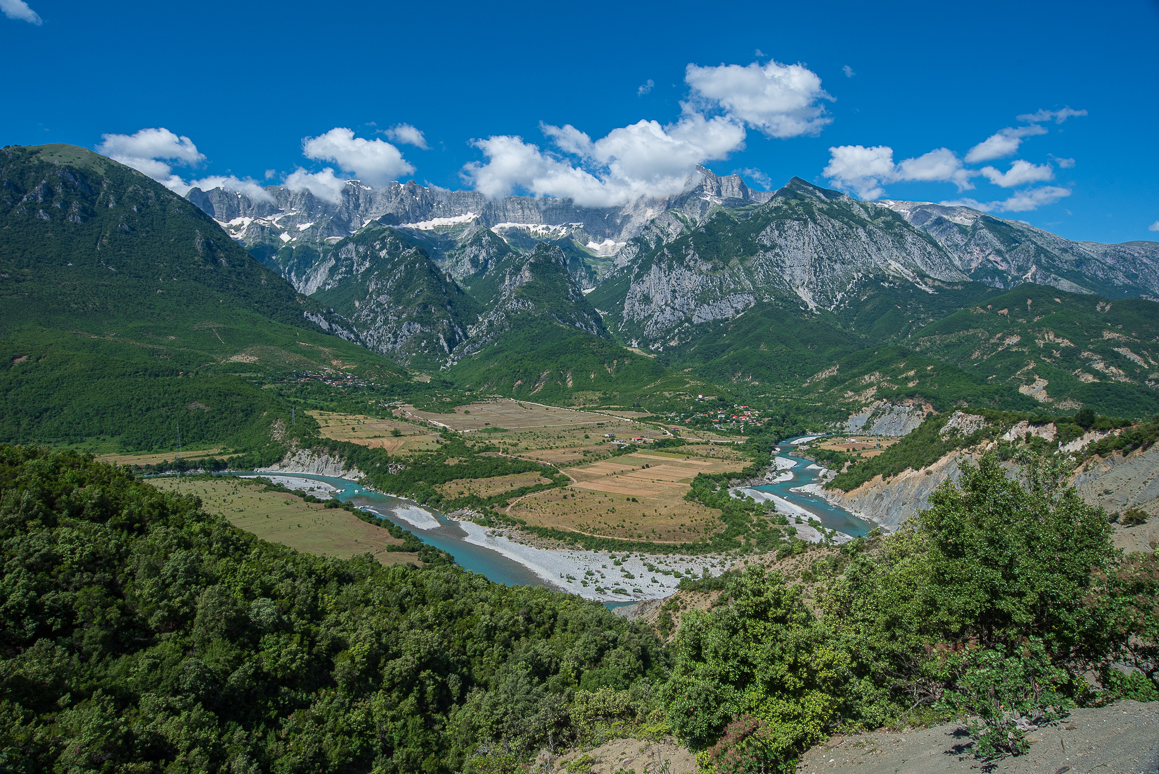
(1120, 739)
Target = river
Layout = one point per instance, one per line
(435, 529)
(799, 472)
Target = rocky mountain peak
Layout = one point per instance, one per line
(797, 188)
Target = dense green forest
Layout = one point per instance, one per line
(140, 633)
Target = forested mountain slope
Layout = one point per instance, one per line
(1063, 349)
(395, 297)
(124, 310)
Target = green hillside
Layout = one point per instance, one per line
(122, 304)
(551, 362)
(896, 373)
(767, 345)
(1066, 350)
(542, 339)
(142, 634)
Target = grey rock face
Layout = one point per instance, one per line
(537, 285)
(305, 461)
(886, 419)
(399, 302)
(1005, 253)
(300, 217)
(807, 244)
(1132, 481)
(661, 267)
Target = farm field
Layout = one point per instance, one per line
(489, 487)
(289, 520)
(860, 445)
(375, 432)
(636, 496)
(153, 459)
(517, 416)
(556, 436)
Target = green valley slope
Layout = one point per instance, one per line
(124, 310)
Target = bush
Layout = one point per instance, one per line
(1133, 517)
(1008, 696)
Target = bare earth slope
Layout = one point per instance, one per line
(1121, 739)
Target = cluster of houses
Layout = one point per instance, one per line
(736, 417)
(332, 378)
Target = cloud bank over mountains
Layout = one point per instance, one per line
(647, 158)
(866, 171)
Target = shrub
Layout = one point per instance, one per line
(1008, 694)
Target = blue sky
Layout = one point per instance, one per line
(1044, 112)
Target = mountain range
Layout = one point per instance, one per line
(797, 277)
(801, 293)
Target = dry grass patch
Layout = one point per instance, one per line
(153, 459)
(860, 445)
(375, 432)
(634, 497)
(489, 487)
(517, 416)
(289, 520)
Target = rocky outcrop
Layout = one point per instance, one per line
(395, 297)
(962, 424)
(890, 503)
(308, 461)
(1120, 481)
(888, 419)
(537, 286)
(1115, 483)
(1024, 429)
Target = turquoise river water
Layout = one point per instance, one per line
(449, 537)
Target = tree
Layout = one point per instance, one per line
(1009, 561)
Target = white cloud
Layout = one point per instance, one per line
(1023, 201)
(1154, 226)
(648, 159)
(408, 135)
(248, 186)
(375, 162)
(1058, 116)
(755, 176)
(149, 151)
(1020, 173)
(149, 144)
(1033, 198)
(860, 169)
(155, 151)
(865, 170)
(19, 10)
(647, 87)
(848, 71)
(1004, 143)
(644, 159)
(325, 184)
(1062, 163)
(778, 100)
(941, 164)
